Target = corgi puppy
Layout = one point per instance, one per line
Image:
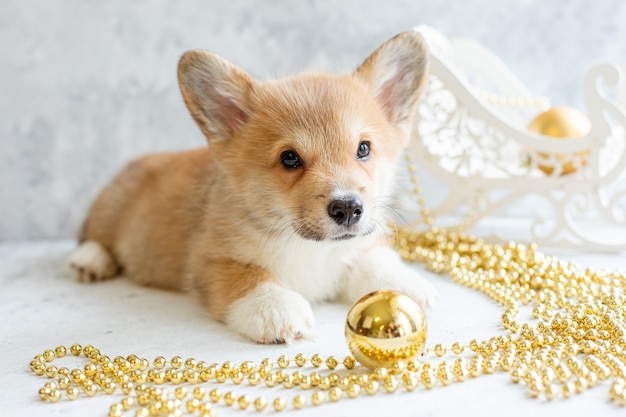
(288, 205)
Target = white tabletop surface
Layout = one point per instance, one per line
(42, 307)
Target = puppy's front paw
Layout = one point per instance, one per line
(381, 268)
(419, 289)
(271, 314)
(92, 262)
(408, 282)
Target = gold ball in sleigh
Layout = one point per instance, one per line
(563, 123)
(385, 327)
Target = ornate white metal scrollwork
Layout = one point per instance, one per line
(488, 161)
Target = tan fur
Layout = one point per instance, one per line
(148, 214)
(209, 220)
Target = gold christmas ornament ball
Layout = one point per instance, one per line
(562, 122)
(384, 327)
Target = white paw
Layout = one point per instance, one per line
(418, 288)
(381, 268)
(271, 314)
(406, 281)
(92, 262)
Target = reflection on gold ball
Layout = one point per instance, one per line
(565, 123)
(385, 326)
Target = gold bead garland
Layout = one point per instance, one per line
(141, 381)
(577, 341)
(579, 338)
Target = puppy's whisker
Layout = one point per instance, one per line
(388, 215)
(277, 231)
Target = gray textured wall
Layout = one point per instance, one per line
(87, 85)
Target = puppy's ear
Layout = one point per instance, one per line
(397, 72)
(216, 93)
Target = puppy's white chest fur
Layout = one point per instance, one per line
(314, 269)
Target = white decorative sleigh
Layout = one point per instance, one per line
(481, 150)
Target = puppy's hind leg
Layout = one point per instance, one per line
(93, 262)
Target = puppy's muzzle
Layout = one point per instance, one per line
(346, 211)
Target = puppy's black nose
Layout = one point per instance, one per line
(345, 211)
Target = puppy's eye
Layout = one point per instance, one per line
(290, 159)
(363, 153)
